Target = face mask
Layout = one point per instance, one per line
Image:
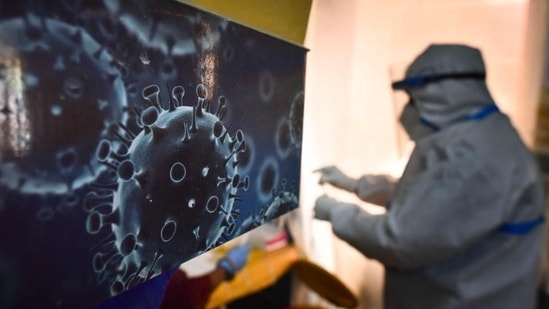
(410, 121)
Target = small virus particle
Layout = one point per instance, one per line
(283, 140)
(59, 92)
(45, 213)
(280, 204)
(228, 53)
(296, 119)
(266, 86)
(246, 158)
(177, 182)
(67, 204)
(267, 178)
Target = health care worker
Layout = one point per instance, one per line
(463, 223)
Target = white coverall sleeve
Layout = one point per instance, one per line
(435, 214)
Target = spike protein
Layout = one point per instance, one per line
(176, 184)
(51, 75)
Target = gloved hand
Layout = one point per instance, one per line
(334, 176)
(323, 207)
(235, 260)
(376, 189)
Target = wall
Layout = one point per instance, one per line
(350, 118)
(539, 60)
(286, 19)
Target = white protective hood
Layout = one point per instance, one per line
(447, 100)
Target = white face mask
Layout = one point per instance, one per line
(411, 122)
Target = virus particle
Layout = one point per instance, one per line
(280, 204)
(67, 203)
(229, 53)
(267, 179)
(59, 92)
(266, 86)
(296, 119)
(47, 206)
(283, 140)
(246, 158)
(45, 213)
(177, 182)
(289, 131)
(175, 35)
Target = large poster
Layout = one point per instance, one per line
(134, 136)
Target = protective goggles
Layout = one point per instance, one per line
(421, 80)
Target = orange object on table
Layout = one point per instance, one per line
(262, 270)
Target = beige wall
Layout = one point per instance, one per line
(350, 118)
(285, 19)
(539, 50)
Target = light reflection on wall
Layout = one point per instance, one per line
(208, 67)
(15, 136)
(208, 62)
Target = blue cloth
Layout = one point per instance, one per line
(147, 295)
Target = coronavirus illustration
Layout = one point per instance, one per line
(59, 94)
(177, 181)
(136, 135)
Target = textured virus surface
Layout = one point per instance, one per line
(176, 184)
(280, 204)
(59, 92)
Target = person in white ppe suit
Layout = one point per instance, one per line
(463, 223)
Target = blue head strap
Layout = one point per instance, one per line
(481, 114)
(420, 80)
